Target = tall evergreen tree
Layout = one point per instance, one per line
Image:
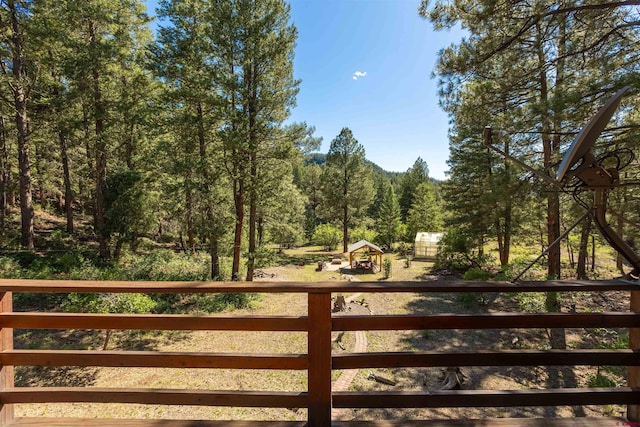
(347, 184)
(389, 217)
(412, 178)
(255, 42)
(426, 211)
(15, 15)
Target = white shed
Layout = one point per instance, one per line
(426, 244)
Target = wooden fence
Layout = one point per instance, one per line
(318, 361)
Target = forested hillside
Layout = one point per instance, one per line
(181, 137)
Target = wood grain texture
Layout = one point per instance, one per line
(319, 343)
(113, 422)
(489, 422)
(153, 359)
(151, 322)
(633, 372)
(30, 285)
(486, 398)
(247, 399)
(485, 321)
(487, 358)
(6, 371)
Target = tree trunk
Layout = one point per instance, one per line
(508, 210)
(260, 229)
(100, 153)
(553, 200)
(253, 191)
(620, 226)
(345, 228)
(191, 242)
(215, 259)
(581, 270)
(253, 211)
(22, 127)
(4, 172)
(89, 159)
(238, 199)
(68, 192)
(42, 194)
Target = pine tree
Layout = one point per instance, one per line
(13, 65)
(389, 217)
(347, 185)
(425, 213)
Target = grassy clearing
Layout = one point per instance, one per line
(299, 265)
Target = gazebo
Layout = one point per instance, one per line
(368, 256)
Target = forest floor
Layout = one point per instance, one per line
(500, 378)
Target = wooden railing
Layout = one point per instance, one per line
(318, 361)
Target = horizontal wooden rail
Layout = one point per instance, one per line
(485, 422)
(319, 362)
(153, 359)
(119, 422)
(486, 321)
(487, 358)
(455, 286)
(166, 322)
(247, 399)
(486, 398)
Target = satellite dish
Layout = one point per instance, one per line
(588, 135)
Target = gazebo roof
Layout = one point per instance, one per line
(363, 243)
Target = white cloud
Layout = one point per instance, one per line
(358, 74)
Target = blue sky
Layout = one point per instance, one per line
(366, 65)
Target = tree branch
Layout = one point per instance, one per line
(533, 20)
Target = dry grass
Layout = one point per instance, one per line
(296, 304)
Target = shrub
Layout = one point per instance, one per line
(476, 274)
(456, 253)
(470, 299)
(598, 380)
(264, 257)
(386, 268)
(212, 303)
(327, 236)
(533, 302)
(407, 261)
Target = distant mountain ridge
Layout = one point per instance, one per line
(321, 158)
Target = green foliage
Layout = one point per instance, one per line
(407, 261)
(109, 303)
(165, 265)
(470, 299)
(425, 213)
(599, 380)
(386, 268)
(220, 302)
(388, 218)
(363, 233)
(265, 257)
(415, 176)
(456, 253)
(532, 302)
(477, 274)
(347, 182)
(128, 212)
(327, 236)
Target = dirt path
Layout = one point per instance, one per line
(348, 375)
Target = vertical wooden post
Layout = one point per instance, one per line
(319, 350)
(633, 375)
(6, 372)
